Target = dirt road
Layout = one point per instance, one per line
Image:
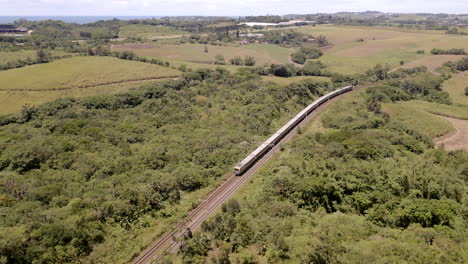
(457, 139)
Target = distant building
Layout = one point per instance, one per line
(12, 29)
(253, 24)
(294, 22)
(251, 35)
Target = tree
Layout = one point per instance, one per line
(313, 68)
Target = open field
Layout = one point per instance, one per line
(384, 46)
(148, 31)
(263, 53)
(81, 72)
(6, 57)
(456, 88)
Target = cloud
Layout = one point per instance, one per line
(220, 7)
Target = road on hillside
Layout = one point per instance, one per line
(170, 242)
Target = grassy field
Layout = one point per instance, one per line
(263, 53)
(456, 88)
(380, 45)
(6, 57)
(80, 72)
(148, 31)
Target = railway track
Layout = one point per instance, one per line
(169, 244)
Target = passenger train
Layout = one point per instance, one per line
(250, 160)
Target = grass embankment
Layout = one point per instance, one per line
(75, 77)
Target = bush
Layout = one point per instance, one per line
(420, 52)
(236, 61)
(466, 91)
(448, 52)
(249, 61)
(219, 60)
(305, 53)
(313, 68)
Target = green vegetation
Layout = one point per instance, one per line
(75, 172)
(449, 51)
(102, 172)
(305, 53)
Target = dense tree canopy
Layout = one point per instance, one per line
(72, 170)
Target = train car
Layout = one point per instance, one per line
(276, 138)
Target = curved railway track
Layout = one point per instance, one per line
(169, 242)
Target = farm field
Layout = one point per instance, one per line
(380, 46)
(263, 53)
(80, 72)
(149, 31)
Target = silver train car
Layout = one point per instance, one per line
(250, 160)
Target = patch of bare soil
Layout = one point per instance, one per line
(457, 139)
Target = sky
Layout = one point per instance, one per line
(220, 7)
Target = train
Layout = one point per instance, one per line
(266, 146)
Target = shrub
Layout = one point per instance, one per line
(236, 61)
(219, 60)
(305, 53)
(313, 68)
(249, 61)
(448, 52)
